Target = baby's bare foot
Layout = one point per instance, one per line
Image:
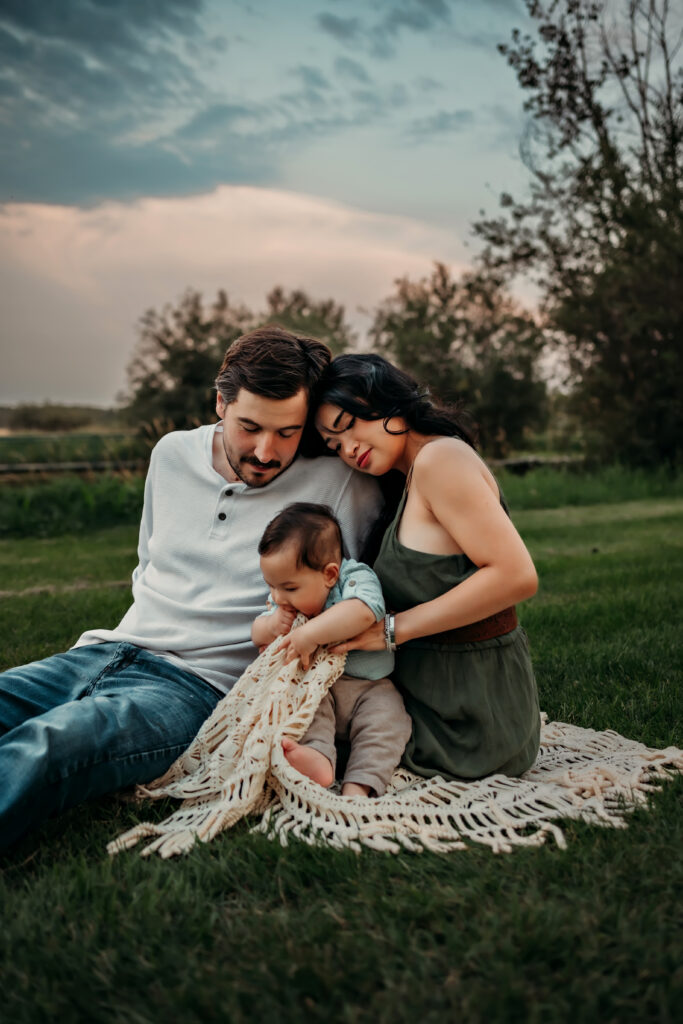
(309, 762)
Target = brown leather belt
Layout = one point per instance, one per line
(486, 629)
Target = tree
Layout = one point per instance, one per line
(602, 229)
(175, 362)
(468, 340)
(300, 314)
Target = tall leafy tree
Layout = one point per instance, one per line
(322, 319)
(602, 227)
(468, 341)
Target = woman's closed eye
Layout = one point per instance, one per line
(340, 428)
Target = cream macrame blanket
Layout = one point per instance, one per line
(235, 766)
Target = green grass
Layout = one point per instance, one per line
(243, 930)
(556, 488)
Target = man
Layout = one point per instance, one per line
(121, 705)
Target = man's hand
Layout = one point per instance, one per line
(299, 644)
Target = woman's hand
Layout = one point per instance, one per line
(371, 639)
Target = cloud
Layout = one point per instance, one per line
(351, 69)
(312, 78)
(213, 120)
(89, 51)
(428, 84)
(345, 30)
(445, 122)
(87, 87)
(117, 26)
(127, 98)
(380, 36)
(74, 282)
(86, 167)
(416, 15)
(115, 106)
(409, 15)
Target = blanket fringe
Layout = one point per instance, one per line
(235, 767)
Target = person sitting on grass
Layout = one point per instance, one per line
(302, 564)
(452, 567)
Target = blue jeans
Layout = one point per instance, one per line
(95, 719)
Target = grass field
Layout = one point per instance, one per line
(242, 930)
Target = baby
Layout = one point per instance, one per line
(302, 563)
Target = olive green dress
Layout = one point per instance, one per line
(474, 706)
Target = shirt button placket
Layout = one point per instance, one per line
(223, 515)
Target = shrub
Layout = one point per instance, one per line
(69, 505)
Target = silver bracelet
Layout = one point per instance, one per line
(389, 633)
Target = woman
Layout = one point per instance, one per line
(452, 567)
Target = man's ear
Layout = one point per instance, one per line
(331, 574)
(221, 406)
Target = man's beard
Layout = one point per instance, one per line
(237, 466)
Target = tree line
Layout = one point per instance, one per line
(463, 340)
(600, 233)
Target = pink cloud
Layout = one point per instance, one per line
(76, 281)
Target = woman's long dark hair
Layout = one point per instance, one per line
(368, 386)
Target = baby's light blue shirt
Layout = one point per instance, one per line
(358, 580)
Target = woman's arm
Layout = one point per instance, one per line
(342, 620)
(451, 483)
(462, 501)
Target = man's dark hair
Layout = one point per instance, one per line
(312, 529)
(273, 363)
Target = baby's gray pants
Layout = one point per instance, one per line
(369, 713)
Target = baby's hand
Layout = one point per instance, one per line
(283, 619)
(298, 645)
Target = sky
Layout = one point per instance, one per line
(154, 145)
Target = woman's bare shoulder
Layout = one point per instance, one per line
(445, 452)
(449, 465)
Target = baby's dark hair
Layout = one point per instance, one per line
(313, 529)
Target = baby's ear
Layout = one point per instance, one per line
(331, 574)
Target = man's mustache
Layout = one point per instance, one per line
(250, 460)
